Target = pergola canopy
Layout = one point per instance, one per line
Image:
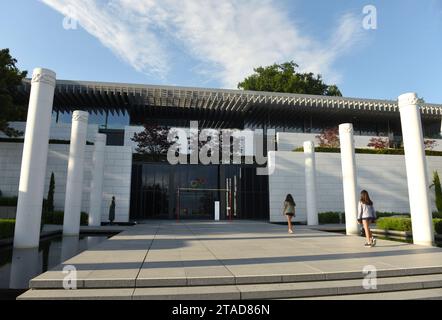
(218, 107)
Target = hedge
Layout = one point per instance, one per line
(438, 226)
(404, 224)
(57, 217)
(331, 217)
(390, 214)
(437, 215)
(371, 151)
(8, 201)
(394, 224)
(7, 227)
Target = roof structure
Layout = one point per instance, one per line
(217, 104)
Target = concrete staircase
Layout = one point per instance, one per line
(412, 283)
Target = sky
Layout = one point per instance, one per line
(216, 44)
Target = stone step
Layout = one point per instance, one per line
(164, 278)
(424, 294)
(331, 288)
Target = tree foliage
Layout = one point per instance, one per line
(285, 78)
(379, 143)
(50, 200)
(329, 138)
(153, 140)
(12, 105)
(437, 191)
(430, 144)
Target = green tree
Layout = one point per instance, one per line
(50, 200)
(12, 104)
(285, 78)
(437, 191)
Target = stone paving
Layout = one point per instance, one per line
(166, 253)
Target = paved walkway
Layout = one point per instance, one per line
(165, 253)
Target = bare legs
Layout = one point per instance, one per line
(368, 234)
(289, 221)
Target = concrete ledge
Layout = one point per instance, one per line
(188, 293)
(85, 294)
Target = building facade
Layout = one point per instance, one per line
(148, 189)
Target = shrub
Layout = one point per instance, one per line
(437, 215)
(57, 218)
(7, 227)
(8, 201)
(438, 226)
(437, 191)
(395, 224)
(430, 144)
(391, 214)
(329, 138)
(379, 143)
(331, 217)
(371, 151)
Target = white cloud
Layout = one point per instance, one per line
(228, 38)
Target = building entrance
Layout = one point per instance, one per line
(154, 191)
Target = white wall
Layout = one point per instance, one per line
(117, 175)
(384, 176)
(288, 141)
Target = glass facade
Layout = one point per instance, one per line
(162, 191)
(106, 120)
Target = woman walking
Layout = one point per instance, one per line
(289, 211)
(367, 215)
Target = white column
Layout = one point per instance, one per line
(310, 183)
(349, 177)
(25, 266)
(418, 186)
(34, 160)
(97, 181)
(74, 184)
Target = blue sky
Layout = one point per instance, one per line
(209, 43)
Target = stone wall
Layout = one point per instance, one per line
(384, 176)
(117, 175)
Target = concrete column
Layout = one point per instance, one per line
(418, 186)
(97, 181)
(74, 184)
(310, 183)
(34, 159)
(349, 177)
(25, 266)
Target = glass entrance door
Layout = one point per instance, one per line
(197, 204)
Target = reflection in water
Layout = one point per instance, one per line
(19, 266)
(25, 266)
(69, 247)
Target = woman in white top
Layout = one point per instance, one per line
(367, 215)
(289, 210)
